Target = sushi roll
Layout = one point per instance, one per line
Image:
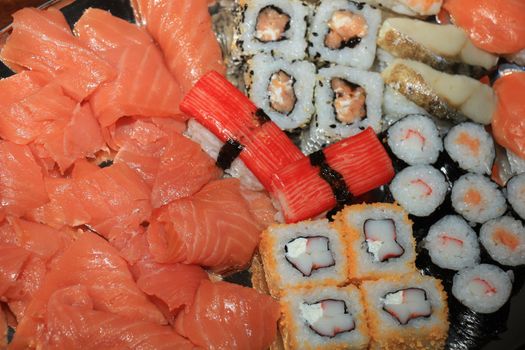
(303, 254)
(516, 194)
(472, 147)
(380, 241)
(504, 240)
(406, 313)
(415, 140)
(284, 90)
(483, 288)
(477, 198)
(276, 27)
(347, 101)
(325, 317)
(344, 32)
(419, 189)
(452, 243)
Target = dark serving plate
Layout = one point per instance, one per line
(503, 330)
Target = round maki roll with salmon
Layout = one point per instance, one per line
(504, 240)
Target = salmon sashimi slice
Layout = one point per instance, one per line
(229, 316)
(42, 41)
(92, 262)
(174, 284)
(260, 206)
(73, 322)
(21, 181)
(144, 85)
(214, 229)
(184, 32)
(12, 260)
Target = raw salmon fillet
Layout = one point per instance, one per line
(92, 262)
(229, 316)
(42, 41)
(73, 322)
(144, 85)
(184, 32)
(21, 182)
(214, 228)
(12, 260)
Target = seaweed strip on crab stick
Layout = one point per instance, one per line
(331, 177)
(232, 117)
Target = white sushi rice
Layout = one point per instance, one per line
(492, 202)
(497, 249)
(325, 128)
(516, 194)
(480, 162)
(410, 192)
(212, 145)
(259, 72)
(396, 106)
(452, 256)
(411, 148)
(468, 289)
(292, 47)
(362, 55)
(517, 164)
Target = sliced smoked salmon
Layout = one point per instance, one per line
(21, 182)
(74, 322)
(42, 41)
(228, 316)
(213, 228)
(190, 53)
(12, 260)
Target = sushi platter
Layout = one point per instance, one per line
(262, 174)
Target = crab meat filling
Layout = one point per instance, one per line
(381, 240)
(407, 304)
(307, 254)
(328, 317)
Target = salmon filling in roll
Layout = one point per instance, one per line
(272, 24)
(346, 30)
(349, 101)
(281, 92)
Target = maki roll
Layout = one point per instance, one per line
(483, 288)
(380, 241)
(347, 101)
(516, 194)
(344, 32)
(452, 243)
(406, 313)
(420, 189)
(284, 90)
(477, 198)
(415, 140)
(471, 147)
(504, 240)
(303, 254)
(271, 26)
(326, 317)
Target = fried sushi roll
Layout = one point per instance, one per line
(406, 313)
(303, 254)
(326, 317)
(344, 32)
(504, 240)
(380, 241)
(276, 27)
(284, 90)
(446, 96)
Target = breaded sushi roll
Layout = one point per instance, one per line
(516, 194)
(420, 189)
(504, 240)
(406, 313)
(477, 198)
(284, 90)
(303, 254)
(452, 243)
(276, 27)
(344, 32)
(483, 288)
(415, 140)
(325, 317)
(380, 241)
(472, 147)
(347, 101)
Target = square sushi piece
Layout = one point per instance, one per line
(406, 313)
(379, 240)
(304, 254)
(325, 317)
